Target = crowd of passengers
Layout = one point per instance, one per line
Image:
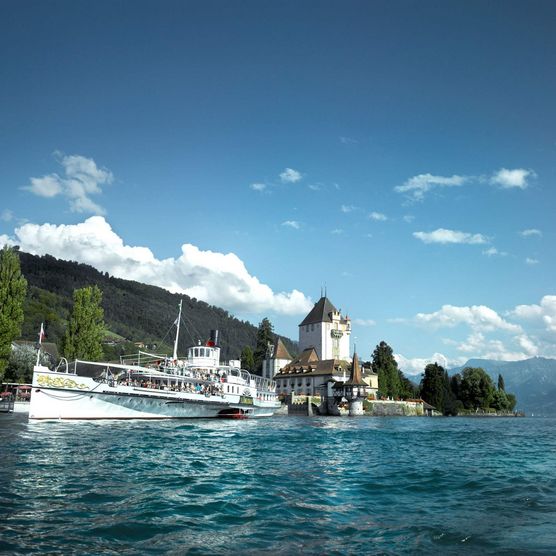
(209, 389)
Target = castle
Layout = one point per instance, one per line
(324, 363)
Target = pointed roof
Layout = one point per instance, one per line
(321, 312)
(281, 351)
(355, 375)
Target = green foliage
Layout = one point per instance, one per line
(477, 389)
(21, 363)
(85, 330)
(433, 386)
(384, 364)
(408, 390)
(13, 287)
(134, 311)
(265, 335)
(247, 359)
(501, 385)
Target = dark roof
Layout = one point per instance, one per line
(321, 312)
(308, 364)
(281, 351)
(355, 376)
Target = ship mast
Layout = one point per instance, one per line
(178, 320)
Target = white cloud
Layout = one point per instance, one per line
(82, 179)
(348, 208)
(530, 233)
(543, 314)
(6, 215)
(492, 252)
(6, 240)
(289, 175)
(409, 218)
(378, 216)
(292, 224)
(348, 140)
(441, 235)
(508, 179)
(364, 322)
(258, 186)
(417, 186)
(315, 186)
(530, 261)
(337, 231)
(217, 278)
(416, 365)
(478, 317)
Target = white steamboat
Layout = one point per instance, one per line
(153, 387)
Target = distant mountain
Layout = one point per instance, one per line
(133, 311)
(533, 381)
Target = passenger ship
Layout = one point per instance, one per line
(150, 386)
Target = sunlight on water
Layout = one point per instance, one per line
(283, 485)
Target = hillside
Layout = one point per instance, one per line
(134, 311)
(533, 381)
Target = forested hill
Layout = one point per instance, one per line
(134, 311)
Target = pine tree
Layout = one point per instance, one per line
(85, 330)
(13, 288)
(501, 385)
(265, 335)
(386, 367)
(247, 360)
(433, 386)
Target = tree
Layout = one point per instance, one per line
(407, 388)
(247, 359)
(477, 389)
(433, 386)
(21, 363)
(385, 366)
(13, 288)
(265, 335)
(501, 385)
(85, 329)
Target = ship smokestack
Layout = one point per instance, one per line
(213, 341)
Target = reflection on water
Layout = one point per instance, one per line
(286, 485)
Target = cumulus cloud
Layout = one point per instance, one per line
(531, 232)
(217, 278)
(441, 235)
(417, 186)
(530, 261)
(378, 216)
(82, 178)
(289, 175)
(292, 224)
(258, 186)
(416, 365)
(509, 179)
(543, 314)
(478, 317)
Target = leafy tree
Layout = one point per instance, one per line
(433, 386)
(511, 401)
(386, 367)
(501, 385)
(499, 400)
(13, 288)
(247, 359)
(477, 388)
(265, 334)
(407, 388)
(85, 330)
(21, 363)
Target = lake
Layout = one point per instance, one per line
(283, 485)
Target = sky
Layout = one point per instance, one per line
(401, 154)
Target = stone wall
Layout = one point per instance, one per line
(386, 408)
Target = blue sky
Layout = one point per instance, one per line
(402, 153)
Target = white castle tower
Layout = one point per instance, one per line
(326, 330)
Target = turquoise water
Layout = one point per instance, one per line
(284, 485)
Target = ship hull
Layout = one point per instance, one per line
(73, 397)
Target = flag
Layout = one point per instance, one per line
(42, 335)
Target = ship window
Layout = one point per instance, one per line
(196, 352)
